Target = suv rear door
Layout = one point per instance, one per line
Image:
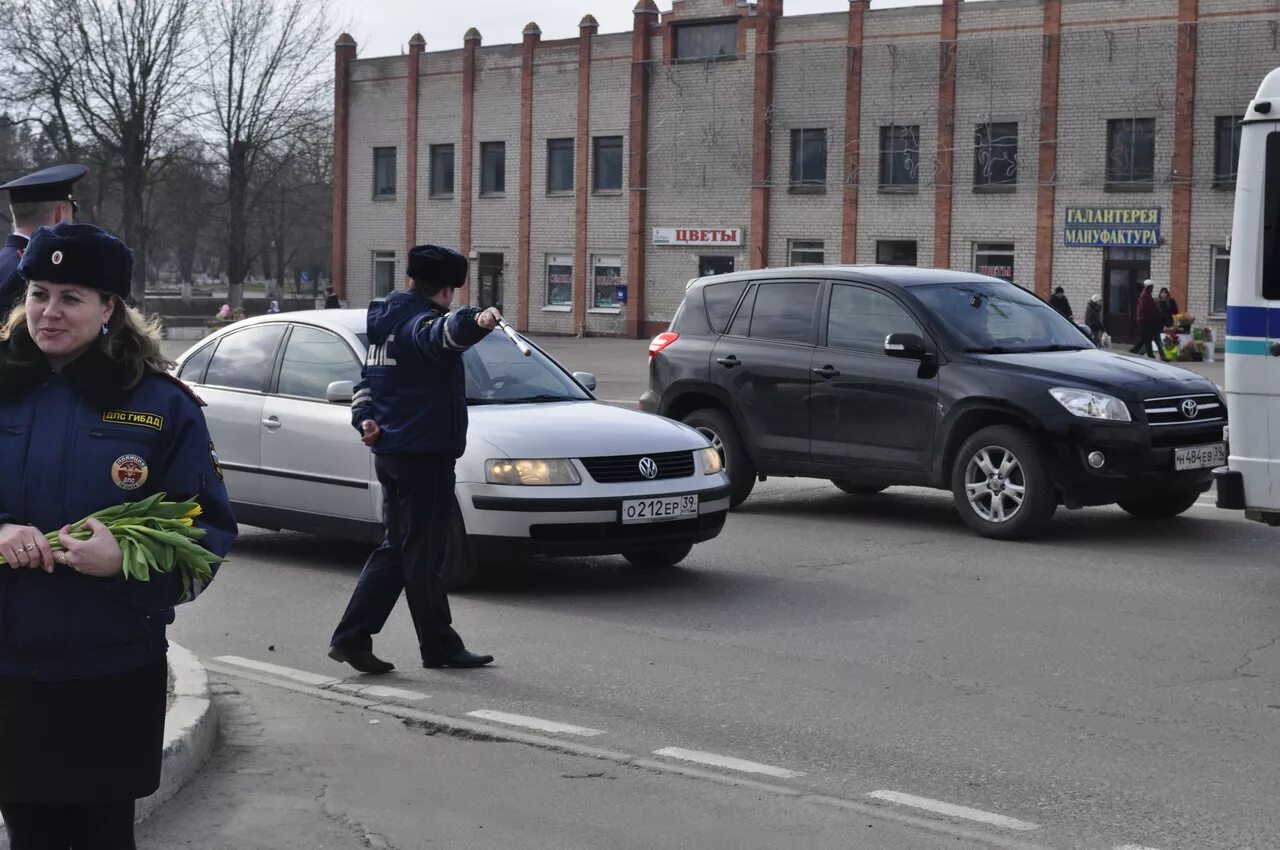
(762, 363)
(869, 410)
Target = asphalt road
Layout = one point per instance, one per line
(1114, 684)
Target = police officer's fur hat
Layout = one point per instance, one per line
(78, 253)
(434, 266)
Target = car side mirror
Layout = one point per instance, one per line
(906, 346)
(340, 392)
(587, 379)
(1084, 329)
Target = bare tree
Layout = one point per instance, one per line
(119, 72)
(265, 82)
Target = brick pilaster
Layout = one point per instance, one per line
(944, 171)
(466, 165)
(767, 13)
(852, 133)
(417, 45)
(532, 35)
(344, 50)
(1183, 147)
(1047, 167)
(587, 29)
(645, 17)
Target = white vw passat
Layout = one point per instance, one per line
(548, 469)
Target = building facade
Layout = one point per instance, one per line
(1087, 144)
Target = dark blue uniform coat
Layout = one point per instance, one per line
(11, 285)
(70, 446)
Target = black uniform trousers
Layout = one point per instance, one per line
(57, 826)
(417, 503)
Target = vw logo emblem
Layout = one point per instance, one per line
(648, 467)
(1189, 408)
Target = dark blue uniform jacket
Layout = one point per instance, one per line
(11, 286)
(414, 384)
(70, 446)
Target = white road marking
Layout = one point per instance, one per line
(1134, 847)
(276, 670)
(953, 811)
(728, 762)
(534, 723)
(379, 691)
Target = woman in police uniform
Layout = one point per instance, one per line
(89, 418)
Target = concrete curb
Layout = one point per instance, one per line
(190, 728)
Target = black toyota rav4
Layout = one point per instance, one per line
(873, 376)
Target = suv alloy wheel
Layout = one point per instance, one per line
(1000, 484)
(719, 429)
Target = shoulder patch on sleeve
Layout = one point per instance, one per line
(190, 393)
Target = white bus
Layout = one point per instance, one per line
(1251, 479)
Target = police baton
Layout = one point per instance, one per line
(515, 338)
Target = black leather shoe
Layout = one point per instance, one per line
(361, 659)
(461, 658)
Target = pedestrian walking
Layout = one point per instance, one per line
(1149, 324)
(1093, 318)
(331, 301)
(96, 421)
(411, 409)
(41, 199)
(1058, 301)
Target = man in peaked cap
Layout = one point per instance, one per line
(411, 408)
(44, 198)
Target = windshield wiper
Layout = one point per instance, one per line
(539, 398)
(991, 349)
(1054, 347)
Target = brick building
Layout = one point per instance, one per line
(1078, 143)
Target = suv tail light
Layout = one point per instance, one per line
(661, 341)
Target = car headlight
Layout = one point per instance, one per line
(537, 472)
(1091, 405)
(711, 462)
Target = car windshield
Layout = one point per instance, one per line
(999, 318)
(497, 373)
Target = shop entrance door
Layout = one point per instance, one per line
(1123, 271)
(709, 265)
(489, 270)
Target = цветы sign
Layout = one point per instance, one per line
(1107, 227)
(697, 236)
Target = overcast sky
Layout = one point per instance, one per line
(383, 27)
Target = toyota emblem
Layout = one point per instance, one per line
(1189, 408)
(648, 467)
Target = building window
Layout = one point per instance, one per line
(805, 253)
(384, 273)
(899, 158)
(493, 168)
(808, 160)
(607, 288)
(608, 164)
(995, 157)
(994, 259)
(1226, 150)
(384, 172)
(1131, 154)
(896, 252)
(559, 280)
(1221, 268)
(442, 170)
(559, 165)
(702, 42)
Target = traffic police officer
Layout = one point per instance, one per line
(411, 408)
(44, 198)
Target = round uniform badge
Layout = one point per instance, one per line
(129, 472)
(56, 259)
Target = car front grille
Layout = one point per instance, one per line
(1171, 411)
(619, 468)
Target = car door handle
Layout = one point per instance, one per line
(827, 372)
(271, 422)
(729, 362)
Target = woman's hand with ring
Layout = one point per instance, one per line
(25, 546)
(98, 556)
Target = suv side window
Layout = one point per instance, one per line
(720, 299)
(742, 321)
(784, 311)
(244, 359)
(861, 318)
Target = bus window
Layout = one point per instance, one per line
(1271, 221)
